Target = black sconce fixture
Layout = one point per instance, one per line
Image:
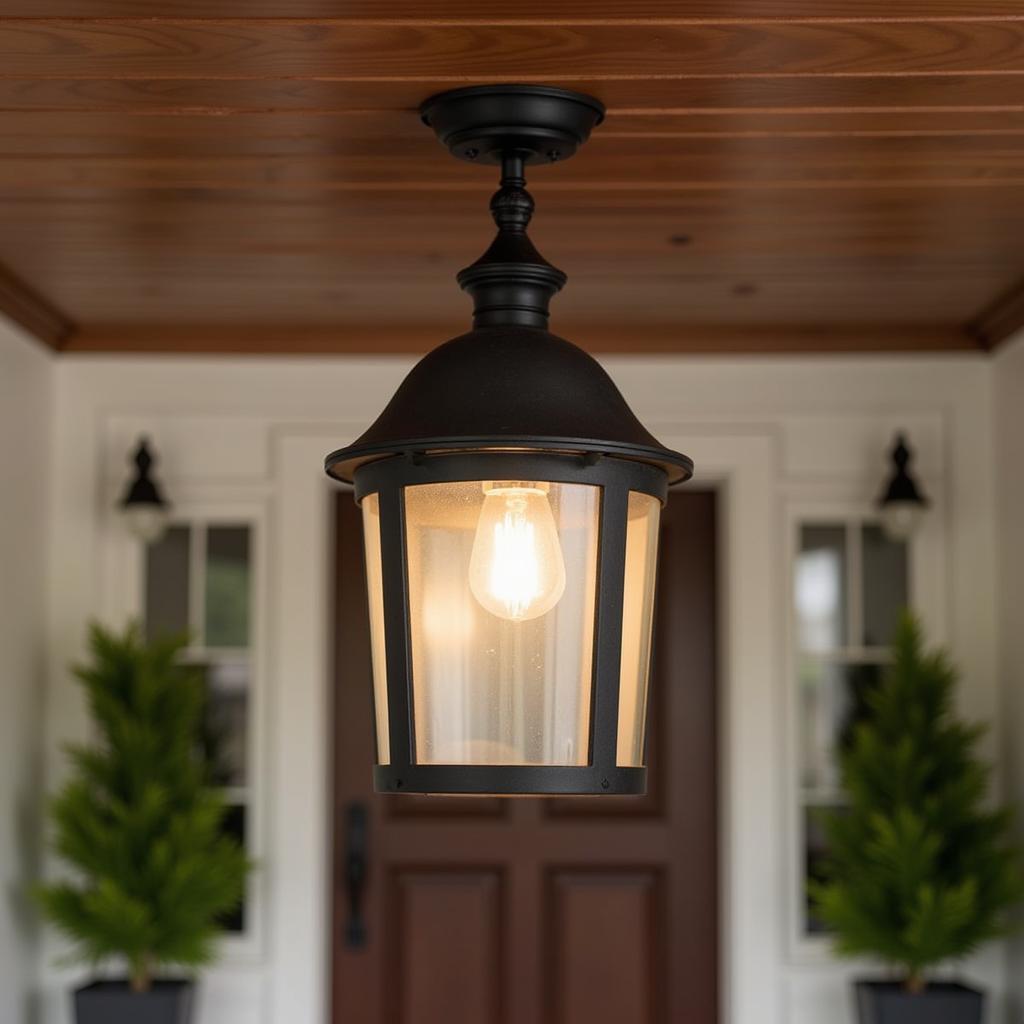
(510, 504)
(146, 512)
(902, 505)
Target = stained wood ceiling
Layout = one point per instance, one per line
(773, 175)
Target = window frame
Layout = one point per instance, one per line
(926, 593)
(124, 600)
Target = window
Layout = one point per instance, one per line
(199, 582)
(850, 583)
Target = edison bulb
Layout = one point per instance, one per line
(516, 570)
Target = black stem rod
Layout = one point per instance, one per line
(511, 283)
(513, 169)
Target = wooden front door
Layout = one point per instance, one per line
(589, 910)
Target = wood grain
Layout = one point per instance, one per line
(603, 338)
(665, 164)
(343, 303)
(490, 53)
(32, 311)
(314, 259)
(535, 11)
(1001, 320)
(739, 229)
(91, 134)
(206, 97)
(840, 172)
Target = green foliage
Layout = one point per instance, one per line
(920, 869)
(138, 820)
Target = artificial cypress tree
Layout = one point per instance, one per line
(138, 821)
(921, 869)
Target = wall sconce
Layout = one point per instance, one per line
(145, 510)
(902, 505)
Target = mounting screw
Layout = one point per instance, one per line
(604, 783)
(554, 154)
(471, 153)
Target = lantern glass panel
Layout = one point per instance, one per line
(375, 589)
(502, 580)
(637, 623)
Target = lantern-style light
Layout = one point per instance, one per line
(902, 505)
(510, 504)
(146, 512)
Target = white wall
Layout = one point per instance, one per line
(1008, 371)
(25, 417)
(775, 434)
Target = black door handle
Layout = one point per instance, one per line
(357, 828)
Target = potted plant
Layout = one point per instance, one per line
(142, 827)
(920, 868)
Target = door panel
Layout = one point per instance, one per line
(446, 927)
(531, 911)
(605, 946)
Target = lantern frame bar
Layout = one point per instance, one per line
(496, 464)
(616, 478)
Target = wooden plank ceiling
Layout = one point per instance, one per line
(773, 175)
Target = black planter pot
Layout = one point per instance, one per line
(883, 1002)
(113, 1002)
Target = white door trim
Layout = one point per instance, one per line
(745, 469)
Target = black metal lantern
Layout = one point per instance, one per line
(902, 505)
(510, 505)
(146, 512)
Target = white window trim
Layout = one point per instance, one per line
(927, 596)
(124, 594)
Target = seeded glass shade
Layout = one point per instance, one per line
(489, 688)
(637, 626)
(501, 656)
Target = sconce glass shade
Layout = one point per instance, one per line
(148, 523)
(145, 511)
(902, 506)
(901, 519)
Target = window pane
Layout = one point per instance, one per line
(225, 732)
(167, 583)
(235, 826)
(815, 853)
(886, 585)
(820, 583)
(227, 586)
(833, 699)
(637, 621)
(375, 590)
(502, 612)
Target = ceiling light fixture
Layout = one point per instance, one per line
(510, 505)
